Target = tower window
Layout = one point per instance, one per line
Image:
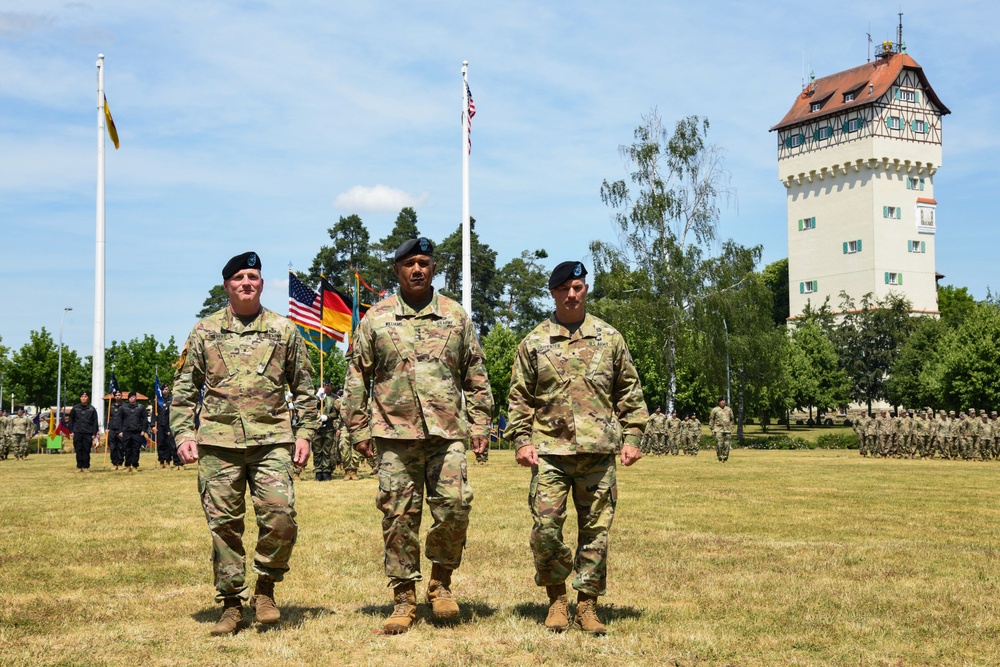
(823, 133)
(926, 216)
(906, 95)
(920, 126)
(893, 278)
(913, 183)
(854, 124)
(916, 246)
(808, 287)
(894, 123)
(807, 223)
(894, 212)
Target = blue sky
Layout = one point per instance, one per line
(254, 125)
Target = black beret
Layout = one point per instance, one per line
(131, 394)
(417, 246)
(721, 399)
(248, 260)
(565, 271)
(85, 393)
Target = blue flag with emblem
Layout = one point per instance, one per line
(112, 384)
(158, 390)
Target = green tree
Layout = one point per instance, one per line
(667, 220)
(351, 249)
(334, 366)
(485, 279)
(31, 374)
(499, 347)
(955, 304)
(217, 300)
(815, 376)
(775, 277)
(525, 283)
(136, 363)
(971, 365)
(868, 340)
(916, 373)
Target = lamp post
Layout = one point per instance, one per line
(59, 373)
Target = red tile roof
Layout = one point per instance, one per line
(829, 90)
(925, 200)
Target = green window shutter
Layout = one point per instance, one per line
(885, 211)
(888, 122)
(899, 213)
(916, 96)
(859, 245)
(899, 278)
(845, 247)
(846, 123)
(921, 184)
(898, 93)
(909, 245)
(886, 277)
(800, 225)
(815, 286)
(913, 125)
(816, 135)
(923, 246)
(802, 288)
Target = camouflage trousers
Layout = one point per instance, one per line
(4, 447)
(19, 445)
(223, 477)
(408, 470)
(723, 444)
(324, 450)
(591, 479)
(659, 443)
(673, 444)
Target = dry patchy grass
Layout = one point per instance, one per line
(776, 558)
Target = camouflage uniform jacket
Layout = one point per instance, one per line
(21, 425)
(575, 394)
(721, 420)
(425, 370)
(330, 407)
(244, 370)
(673, 426)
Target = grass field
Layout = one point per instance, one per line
(776, 558)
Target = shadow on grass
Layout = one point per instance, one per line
(469, 612)
(291, 615)
(537, 611)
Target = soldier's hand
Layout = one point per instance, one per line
(188, 452)
(364, 448)
(630, 455)
(527, 456)
(480, 443)
(301, 455)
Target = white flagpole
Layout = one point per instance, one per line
(466, 227)
(97, 381)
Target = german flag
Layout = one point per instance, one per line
(337, 308)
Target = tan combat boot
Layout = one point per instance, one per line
(405, 612)
(439, 595)
(586, 615)
(232, 618)
(262, 602)
(558, 618)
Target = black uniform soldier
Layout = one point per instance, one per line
(135, 421)
(115, 445)
(166, 446)
(84, 424)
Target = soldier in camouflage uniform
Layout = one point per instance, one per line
(995, 445)
(21, 430)
(720, 423)
(871, 434)
(417, 386)
(4, 442)
(693, 434)
(970, 432)
(674, 434)
(984, 443)
(327, 435)
(884, 433)
(652, 435)
(244, 356)
(575, 401)
(921, 435)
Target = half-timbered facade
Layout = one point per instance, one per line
(857, 154)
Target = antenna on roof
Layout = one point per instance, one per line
(899, 35)
(869, 33)
(803, 70)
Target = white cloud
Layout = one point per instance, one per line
(378, 198)
(19, 24)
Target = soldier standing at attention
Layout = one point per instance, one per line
(244, 356)
(694, 433)
(575, 402)
(674, 434)
(4, 445)
(135, 420)
(417, 386)
(720, 423)
(166, 444)
(326, 436)
(115, 431)
(84, 424)
(22, 429)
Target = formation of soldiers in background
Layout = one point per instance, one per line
(15, 432)
(924, 434)
(671, 435)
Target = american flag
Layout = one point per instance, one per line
(472, 112)
(305, 308)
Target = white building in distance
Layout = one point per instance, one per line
(857, 153)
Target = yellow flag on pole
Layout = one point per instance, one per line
(112, 131)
